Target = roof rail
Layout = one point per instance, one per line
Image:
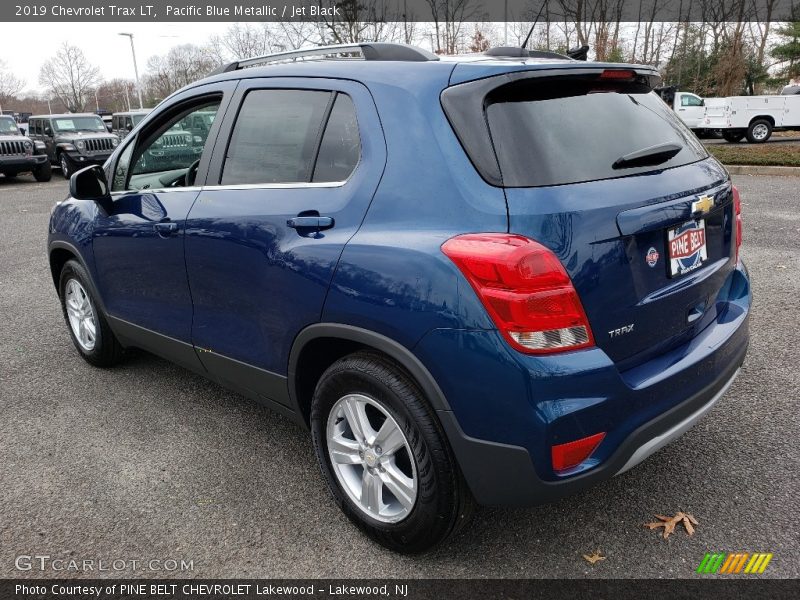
(369, 50)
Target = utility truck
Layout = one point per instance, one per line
(752, 117)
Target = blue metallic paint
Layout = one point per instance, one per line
(252, 287)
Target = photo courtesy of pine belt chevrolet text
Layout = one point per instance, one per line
(494, 279)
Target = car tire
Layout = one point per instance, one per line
(759, 131)
(66, 165)
(86, 323)
(418, 465)
(733, 136)
(43, 172)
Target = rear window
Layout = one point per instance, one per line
(546, 133)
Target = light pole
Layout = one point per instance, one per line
(135, 69)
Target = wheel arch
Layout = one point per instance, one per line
(764, 118)
(320, 345)
(59, 254)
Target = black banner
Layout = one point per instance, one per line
(618, 589)
(400, 10)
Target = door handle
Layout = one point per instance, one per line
(318, 223)
(165, 228)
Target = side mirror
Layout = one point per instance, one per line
(48, 131)
(89, 184)
(702, 102)
(128, 126)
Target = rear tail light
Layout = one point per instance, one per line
(571, 454)
(737, 212)
(525, 289)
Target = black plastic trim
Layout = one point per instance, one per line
(504, 475)
(388, 346)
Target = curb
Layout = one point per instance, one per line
(762, 170)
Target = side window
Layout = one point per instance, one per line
(340, 149)
(690, 101)
(128, 123)
(32, 127)
(114, 123)
(275, 137)
(170, 158)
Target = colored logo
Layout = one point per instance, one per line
(652, 257)
(734, 563)
(702, 205)
(687, 246)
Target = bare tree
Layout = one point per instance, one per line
(10, 85)
(449, 17)
(70, 77)
(115, 95)
(181, 66)
(363, 21)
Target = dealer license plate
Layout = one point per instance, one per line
(687, 247)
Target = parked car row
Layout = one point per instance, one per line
(71, 142)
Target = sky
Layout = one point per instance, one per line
(24, 50)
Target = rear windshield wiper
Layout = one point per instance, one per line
(654, 155)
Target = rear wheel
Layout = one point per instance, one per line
(759, 131)
(384, 456)
(43, 172)
(87, 325)
(732, 136)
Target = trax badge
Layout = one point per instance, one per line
(702, 205)
(620, 331)
(652, 257)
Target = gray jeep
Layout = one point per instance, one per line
(19, 154)
(73, 141)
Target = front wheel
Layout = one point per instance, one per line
(43, 172)
(87, 324)
(66, 165)
(384, 455)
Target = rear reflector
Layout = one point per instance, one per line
(525, 290)
(571, 454)
(737, 212)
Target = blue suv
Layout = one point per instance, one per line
(493, 279)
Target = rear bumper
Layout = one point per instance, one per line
(508, 410)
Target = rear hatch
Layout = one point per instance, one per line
(598, 169)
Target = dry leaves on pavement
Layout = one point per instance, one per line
(594, 557)
(669, 523)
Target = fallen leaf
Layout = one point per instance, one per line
(594, 557)
(669, 523)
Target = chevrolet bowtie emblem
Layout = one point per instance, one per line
(702, 205)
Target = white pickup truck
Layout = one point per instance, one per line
(754, 117)
(689, 107)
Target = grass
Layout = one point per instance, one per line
(783, 155)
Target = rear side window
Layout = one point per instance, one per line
(275, 137)
(340, 148)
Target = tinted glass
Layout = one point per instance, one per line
(551, 134)
(341, 145)
(275, 137)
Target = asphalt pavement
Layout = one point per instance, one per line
(147, 461)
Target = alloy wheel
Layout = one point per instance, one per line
(81, 315)
(371, 458)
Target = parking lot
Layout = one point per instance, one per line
(147, 461)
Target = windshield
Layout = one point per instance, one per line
(137, 118)
(8, 126)
(574, 131)
(65, 124)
